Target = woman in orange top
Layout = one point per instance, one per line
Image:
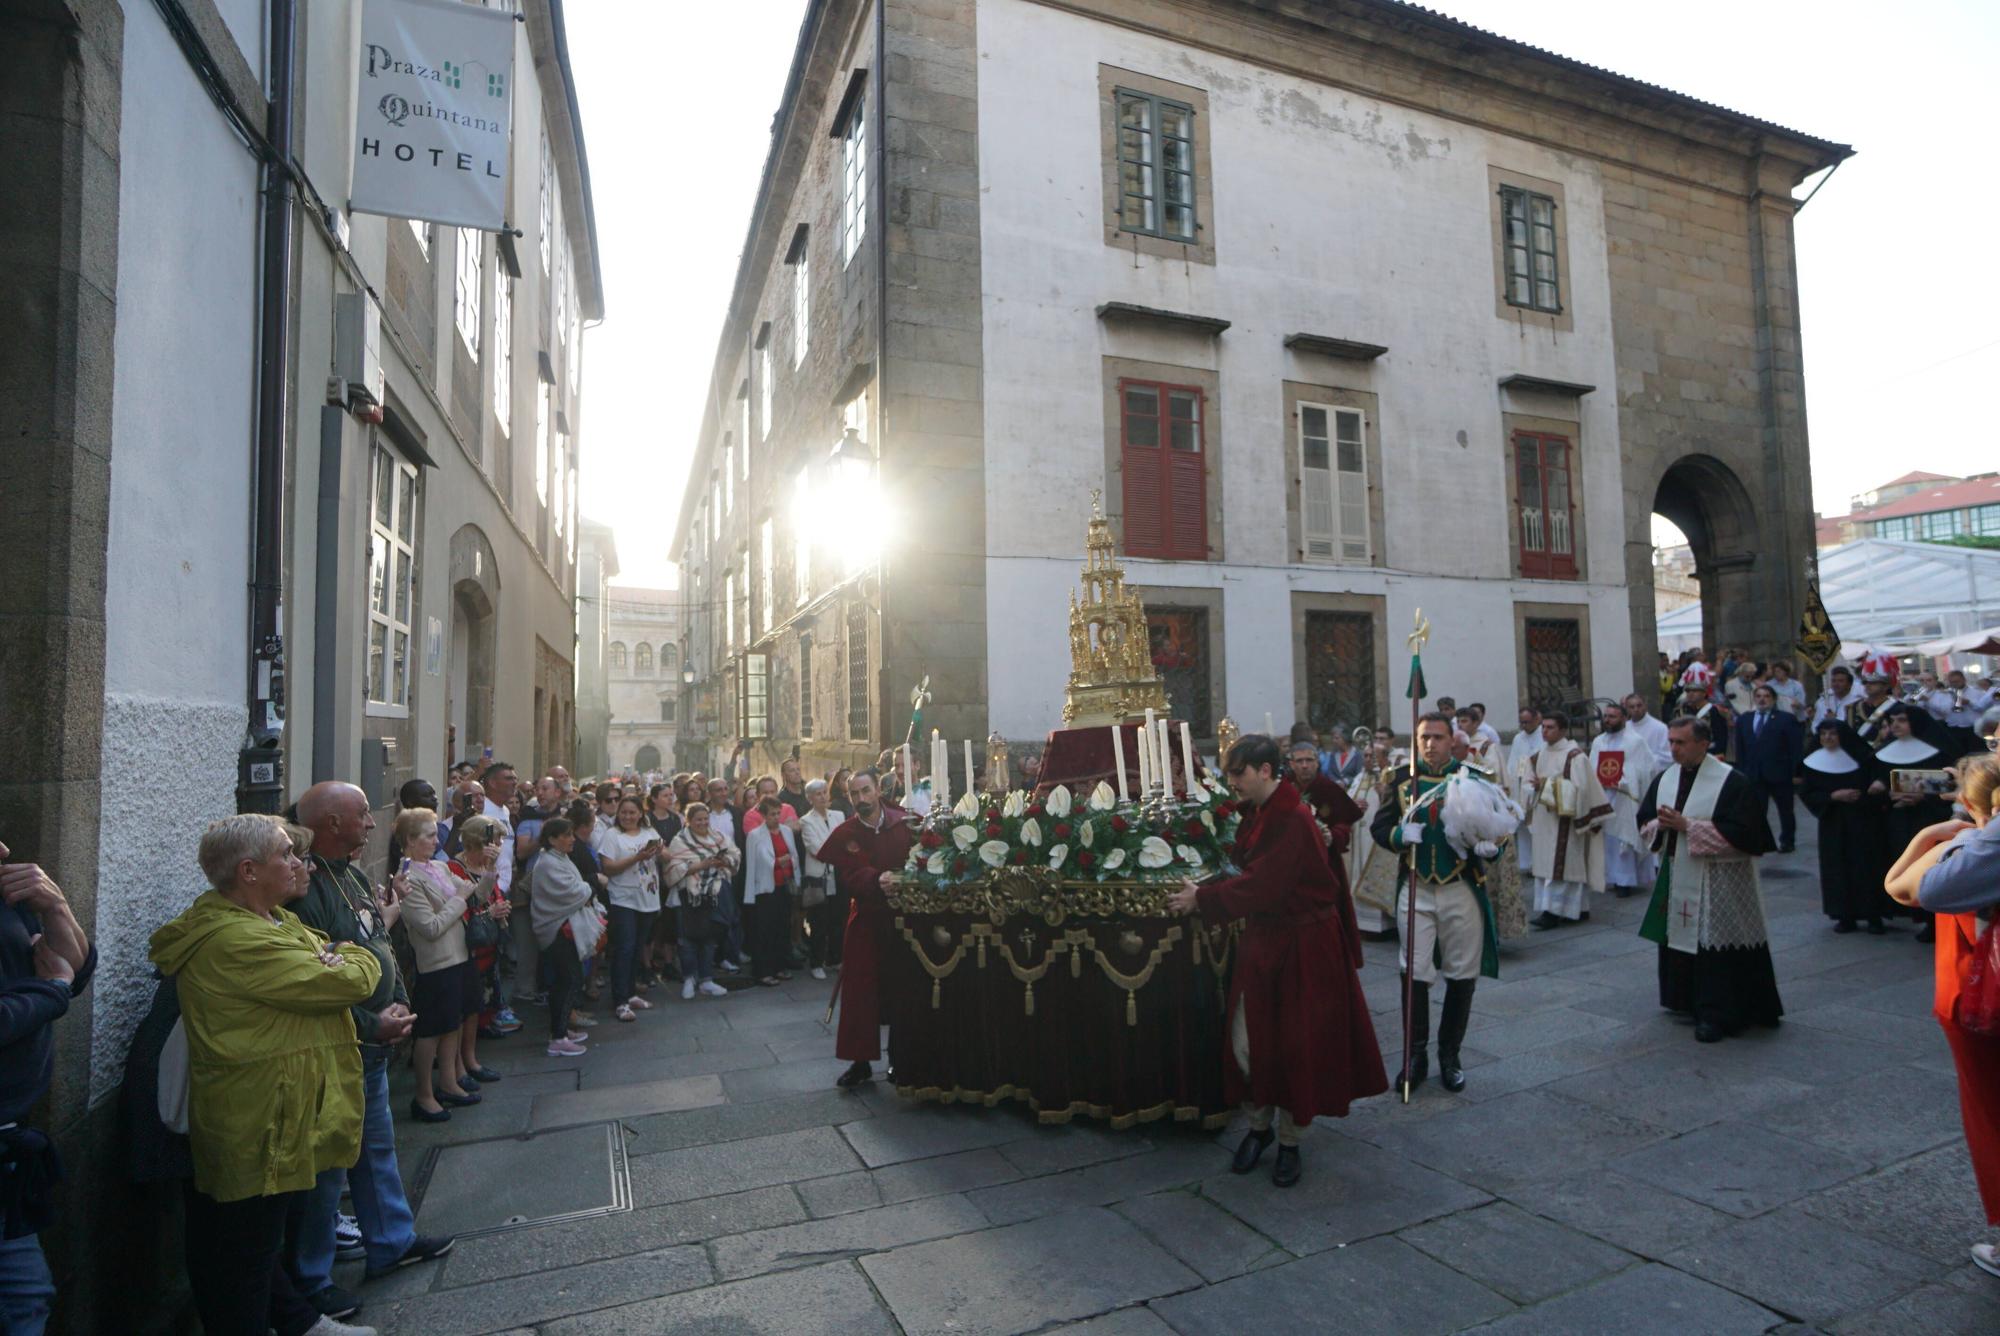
(1953, 870)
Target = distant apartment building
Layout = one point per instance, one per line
(596, 565)
(642, 660)
(1919, 506)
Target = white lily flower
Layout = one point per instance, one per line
(964, 836)
(1059, 801)
(993, 853)
(1208, 819)
(967, 806)
(935, 864)
(1114, 860)
(1031, 832)
(1155, 852)
(1058, 856)
(1188, 854)
(1102, 799)
(1088, 835)
(1017, 803)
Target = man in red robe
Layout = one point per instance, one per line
(864, 851)
(1328, 800)
(1300, 1037)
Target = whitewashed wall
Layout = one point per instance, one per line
(1332, 215)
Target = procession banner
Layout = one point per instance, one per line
(1819, 645)
(434, 112)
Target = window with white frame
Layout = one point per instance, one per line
(728, 474)
(392, 581)
(465, 291)
(424, 233)
(802, 514)
(801, 300)
(854, 181)
(503, 351)
(1333, 483)
(764, 382)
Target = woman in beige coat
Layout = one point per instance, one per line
(434, 914)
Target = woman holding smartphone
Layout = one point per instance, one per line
(628, 855)
(447, 989)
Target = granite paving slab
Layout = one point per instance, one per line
(1138, 1321)
(812, 1301)
(640, 1069)
(850, 1235)
(1350, 1190)
(543, 1296)
(1882, 1117)
(1021, 1278)
(1380, 1286)
(963, 1172)
(1930, 1310)
(626, 1101)
(1052, 1150)
(1649, 1300)
(1516, 1139)
(936, 1130)
(1928, 1204)
(1676, 1090)
(785, 1078)
(1176, 1163)
(1803, 1267)
(1201, 1234)
(841, 1193)
(1638, 1217)
(1740, 1167)
(1914, 1032)
(739, 1122)
(737, 1166)
(1511, 1252)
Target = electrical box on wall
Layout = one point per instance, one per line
(357, 347)
(378, 770)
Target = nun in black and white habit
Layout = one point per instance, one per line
(1845, 786)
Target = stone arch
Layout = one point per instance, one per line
(1749, 562)
(475, 638)
(646, 758)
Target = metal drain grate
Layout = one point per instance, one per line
(490, 1187)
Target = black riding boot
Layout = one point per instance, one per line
(1451, 1029)
(1420, 1037)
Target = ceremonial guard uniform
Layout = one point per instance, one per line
(859, 853)
(1454, 920)
(1300, 1038)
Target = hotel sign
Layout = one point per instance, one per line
(434, 112)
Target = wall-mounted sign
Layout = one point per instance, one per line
(434, 112)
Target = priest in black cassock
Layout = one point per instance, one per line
(1707, 823)
(1846, 787)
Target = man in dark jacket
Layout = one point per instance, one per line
(1769, 743)
(45, 960)
(340, 902)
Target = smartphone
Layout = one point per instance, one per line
(403, 867)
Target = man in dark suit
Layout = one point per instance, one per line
(1769, 742)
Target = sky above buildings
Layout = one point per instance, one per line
(1896, 269)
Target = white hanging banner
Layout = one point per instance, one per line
(434, 112)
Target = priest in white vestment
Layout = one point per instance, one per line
(1520, 760)
(1651, 728)
(1624, 767)
(1569, 807)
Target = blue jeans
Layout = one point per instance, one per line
(698, 942)
(631, 929)
(387, 1226)
(26, 1288)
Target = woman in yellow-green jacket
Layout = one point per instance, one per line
(274, 1077)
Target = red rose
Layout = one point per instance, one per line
(1037, 810)
(992, 814)
(1192, 830)
(992, 830)
(1225, 810)
(1062, 830)
(931, 839)
(958, 867)
(1020, 855)
(1086, 860)
(1118, 824)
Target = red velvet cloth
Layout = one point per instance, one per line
(859, 856)
(1976, 1056)
(1081, 757)
(1331, 804)
(1312, 1046)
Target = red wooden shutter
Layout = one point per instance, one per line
(1545, 500)
(1559, 491)
(1187, 479)
(1140, 429)
(1530, 520)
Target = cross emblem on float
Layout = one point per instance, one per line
(1028, 942)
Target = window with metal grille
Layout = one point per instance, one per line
(805, 686)
(1155, 166)
(1340, 670)
(1528, 236)
(755, 720)
(1555, 660)
(1166, 485)
(1545, 507)
(1178, 639)
(857, 673)
(1333, 483)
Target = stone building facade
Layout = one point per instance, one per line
(423, 576)
(1345, 309)
(642, 661)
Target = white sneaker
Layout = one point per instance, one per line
(326, 1326)
(714, 989)
(626, 1014)
(687, 990)
(566, 1048)
(818, 973)
(637, 1003)
(1986, 1257)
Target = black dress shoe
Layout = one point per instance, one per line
(1708, 1032)
(1845, 925)
(1419, 1068)
(1545, 920)
(1251, 1150)
(859, 1074)
(424, 1115)
(1875, 928)
(1286, 1171)
(458, 1101)
(1450, 1075)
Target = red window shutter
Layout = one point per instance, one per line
(1187, 495)
(1531, 523)
(1559, 487)
(1145, 530)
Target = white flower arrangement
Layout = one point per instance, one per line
(1059, 801)
(935, 864)
(993, 853)
(1087, 834)
(1017, 803)
(967, 806)
(964, 836)
(1031, 833)
(1188, 854)
(1102, 799)
(1153, 852)
(1114, 860)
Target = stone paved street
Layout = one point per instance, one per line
(1600, 1173)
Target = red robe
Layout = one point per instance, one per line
(1331, 804)
(1312, 1047)
(859, 855)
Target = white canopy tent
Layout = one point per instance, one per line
(1887, 595)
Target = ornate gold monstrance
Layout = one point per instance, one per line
(1111, 677)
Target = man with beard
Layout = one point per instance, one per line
(1300, 1038)
(1624, 767)
(865, 852)
(1521, 754)
(1707, 914)
(1649, 728)
(1837, 702)
(1328, 800)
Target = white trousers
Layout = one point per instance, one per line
(1625, 865)
(1448, 924)
(1260, 1114)
(1524, 846)
(1561, 898)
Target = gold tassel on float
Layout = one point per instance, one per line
(1132, 983)
(1028, 1000)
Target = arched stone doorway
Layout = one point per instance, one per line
(646, 758)
(1748, 563)
(475, 617)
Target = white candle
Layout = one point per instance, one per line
(1145, 767)
(1187, 756)
(1270, 728)
(1118, 760)
(970, 783)
(1167, 754)
(1150, 752)
(940, 780)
